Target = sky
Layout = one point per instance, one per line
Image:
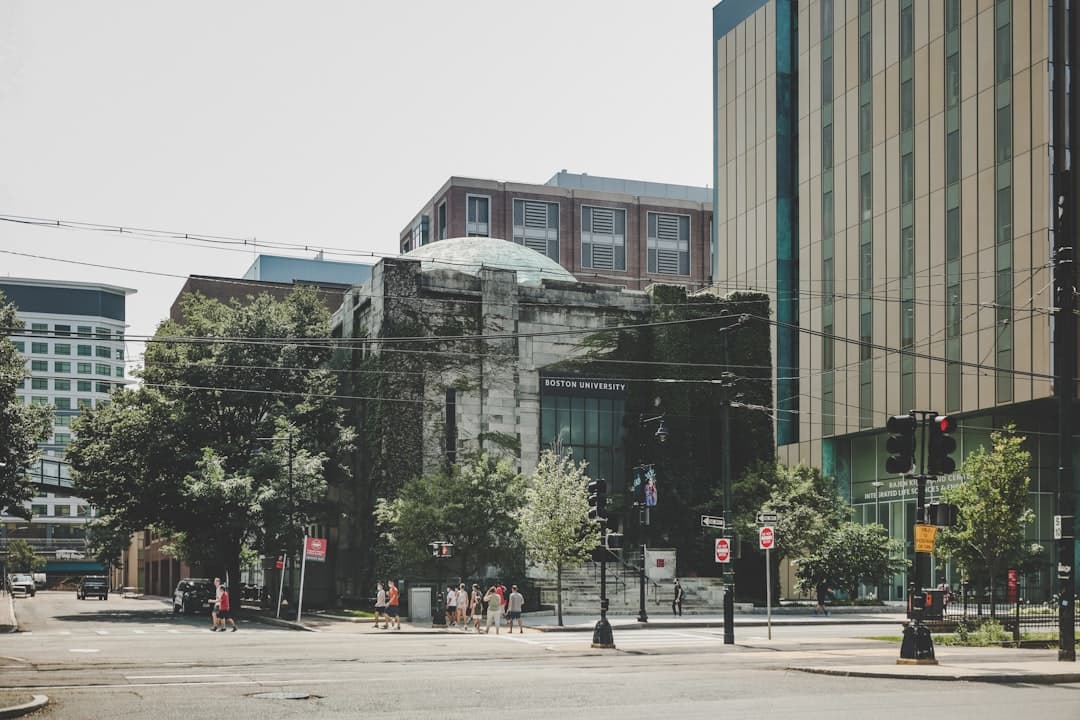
(321, 123)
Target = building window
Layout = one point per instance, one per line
(866, 195)
(84, 350)
(39, 366)
(20, 346)
(62, 385)
(1004, 136)
(119, 353)
(102, 387)
(907, 105)
(62, 349)
(83, 368)
(63, 510)
(477, 216)
(40, 328)
(102, 369)
(62, 403)
(39, 383)
(85, 403)
(62, 366)
(39, 348)
(669, 244)
(441, 221)
(39, 510)
(421, 232)
(103, 333)
(83, 385)
(866, 127)
(536, 226)
(103, 352)
(38, 400)
(63, 420)
(62, 330)
(603, 238)
(82, 510)
(907, 178)
(952, 80)
(85, 330)
(119, 371)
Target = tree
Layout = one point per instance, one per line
(553, 523)
(22, 426)
(473, 506)
(851, 554)
(993, 510)
(22, 558)
(186, 453)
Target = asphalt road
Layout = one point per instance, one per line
(126, 658)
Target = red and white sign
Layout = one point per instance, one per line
(279, 563)
(723, 550)
(766, 538)
(315, 549)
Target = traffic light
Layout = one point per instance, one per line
(613, 540)
(597, 490)
(441, 549)
(940, 446)
(942, 514)
(901, 444)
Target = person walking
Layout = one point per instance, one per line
(451, 605)
(822, 597)
(677, 599)
(392, 605)
(223, 609)
(476, 607)
(215, 620)
(494, 610)
(380, 606)
(503, 596)
(515, 604)
(462, 607)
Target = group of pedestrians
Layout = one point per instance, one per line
(469, 608)
(221, 614)
(387, 602)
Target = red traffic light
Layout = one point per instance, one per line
(945, 423)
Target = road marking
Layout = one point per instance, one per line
(102, 632)
(140, 632)
(83, 650)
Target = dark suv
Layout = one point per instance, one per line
(94, 585)
(193, 595)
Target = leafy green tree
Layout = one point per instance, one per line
(993, 502)
(197, 450)
(848, 555)
(22, 426)
(553, 522)
(473, 506)
(22, 558)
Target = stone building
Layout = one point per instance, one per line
(474, 343)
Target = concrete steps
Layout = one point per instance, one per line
(581, 593)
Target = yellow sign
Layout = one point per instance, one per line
(924, 538)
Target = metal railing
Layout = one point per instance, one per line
(1025, 609)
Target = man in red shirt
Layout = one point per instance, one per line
(221, 608)
(392, 605)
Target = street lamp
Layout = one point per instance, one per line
(661, 436)
(877, 497)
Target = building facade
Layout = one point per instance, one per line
(73, 341)
(883, 169)
(603, 230)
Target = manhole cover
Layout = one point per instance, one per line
(282, 696)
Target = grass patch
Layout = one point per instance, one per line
(359, 613)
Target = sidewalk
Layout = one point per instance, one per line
(7, 613)
(547, 622)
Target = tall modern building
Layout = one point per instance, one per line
(883, 170)
(629, 233)
(73, 341)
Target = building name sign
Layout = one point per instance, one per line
(903, 488)
(582, 386)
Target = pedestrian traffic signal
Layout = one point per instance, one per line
(597, 490)
(940, 446)
(901, 444)
(441, 549)
(942, 514)
(613, 541)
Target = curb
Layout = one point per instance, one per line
(278, 622)
(1012, 677)
(702, 624)
(38, 702)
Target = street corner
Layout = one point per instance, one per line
(15, 704)
(1039, 673)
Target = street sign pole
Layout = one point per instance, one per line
(303, 566)
(281, 585)
(768, 591)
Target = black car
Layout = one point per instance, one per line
(93, 585)
(193, 595)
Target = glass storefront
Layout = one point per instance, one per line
(586, 416)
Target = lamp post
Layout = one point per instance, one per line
(292, 517)
(661, 436)
(877, 497)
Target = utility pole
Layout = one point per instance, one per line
(1066, 203)
(291, 522)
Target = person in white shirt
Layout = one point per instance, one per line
(494, 609)
(451, 605)
(462, 606)
(380, 607)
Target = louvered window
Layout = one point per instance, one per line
(536, 226)
(603, 238)
(477, 216)
(669, 244)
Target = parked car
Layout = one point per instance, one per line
(193, 595)
(23, 583)
(95, 585)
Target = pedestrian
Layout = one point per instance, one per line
(223, 605)
(392, 605)
(676, 600)
(451, 605)
(462, 606)
(514, 605)
(215, 620)
(476, 606)
(822, 597)
(503, 594)
(494, 609)
(380, 606)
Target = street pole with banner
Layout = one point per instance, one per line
(315, 548)
(281, 584)
(766, 540)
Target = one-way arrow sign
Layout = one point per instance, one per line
(712, 521)
(767, 518)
